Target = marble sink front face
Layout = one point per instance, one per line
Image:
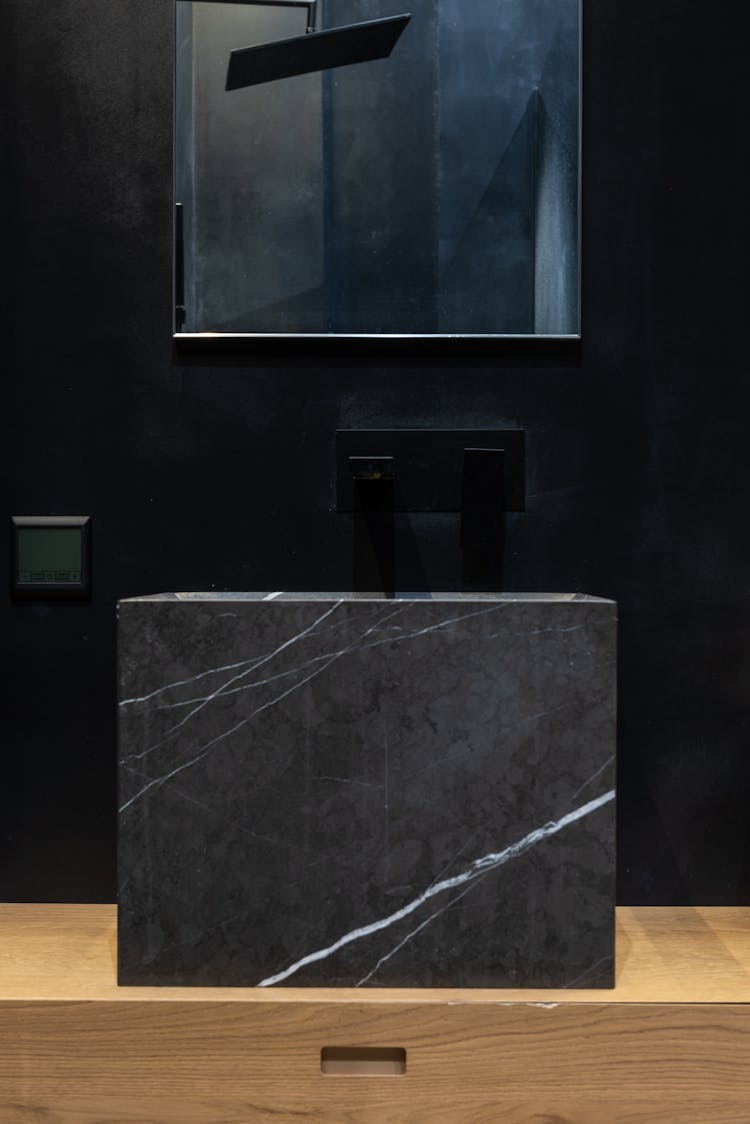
(342, 791)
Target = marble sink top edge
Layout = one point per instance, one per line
(288, 596)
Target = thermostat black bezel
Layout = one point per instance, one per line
(56, 591)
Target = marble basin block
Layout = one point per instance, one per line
(338, 791)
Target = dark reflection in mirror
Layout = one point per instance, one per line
(430, 192)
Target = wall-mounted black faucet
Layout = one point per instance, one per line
(373, 568)
(479, 473)
(482, 535)
(483, 499)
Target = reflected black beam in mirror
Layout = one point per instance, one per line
(179, 267)
(321, 50)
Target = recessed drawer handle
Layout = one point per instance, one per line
(363, 1061)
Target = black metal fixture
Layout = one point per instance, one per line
(179, 267)
(478, 473)
(313, 51)
(483, 509)
(483, 499)
(373, 570)
(432, 468)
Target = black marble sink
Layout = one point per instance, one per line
(345, 791)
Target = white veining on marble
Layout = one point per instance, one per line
(335, 655)
(222, 692)
(219, 690)
(225, 694)
(204, 750)
(183, 682)
(593, 777)
(386, 810)
(254, 667)
(241, 827)
(588, 972)
(464, 846)
(545, 713)
(460, 753)
(349, 780)
(255, 660)
(446, 623)
(452, 756)
(193, 940)
(433, 916)
(568, 628)
(479, 867)
(403, 941)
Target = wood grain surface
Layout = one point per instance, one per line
(670, 1044)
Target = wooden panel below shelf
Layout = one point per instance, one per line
(75, 1049)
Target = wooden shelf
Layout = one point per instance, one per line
(671, 1043)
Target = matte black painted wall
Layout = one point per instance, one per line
(218, 471)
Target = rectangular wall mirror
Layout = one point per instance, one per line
(377, 168)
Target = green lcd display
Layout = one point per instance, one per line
(49, 554)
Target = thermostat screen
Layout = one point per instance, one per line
(49, 554)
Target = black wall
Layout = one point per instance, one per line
(217, 470)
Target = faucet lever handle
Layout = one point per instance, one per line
(483, 499)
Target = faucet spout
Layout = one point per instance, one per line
(373, 568)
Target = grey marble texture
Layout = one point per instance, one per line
(332, 790)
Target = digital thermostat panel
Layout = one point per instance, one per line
(51, 556)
